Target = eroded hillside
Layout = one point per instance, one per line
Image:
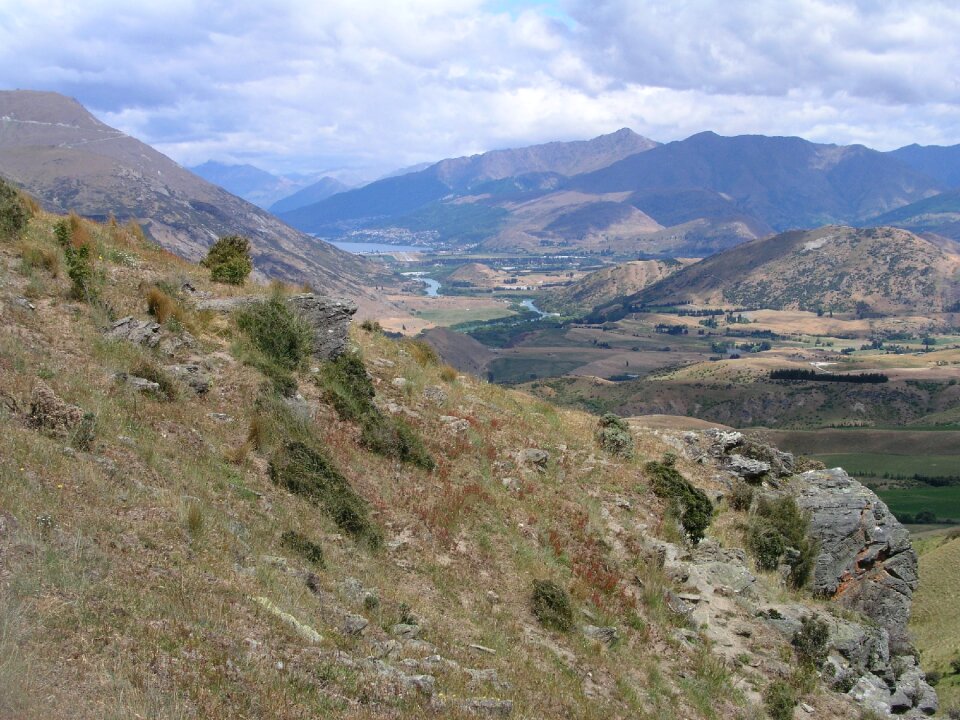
(206, 512)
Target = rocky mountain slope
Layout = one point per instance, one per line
(69, 160)
(602, 286)
(266, 190)
(873, 270)
(199, 518)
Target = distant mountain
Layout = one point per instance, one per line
(872, 270)
(315, 192)
(602, 286)
(942, 163)
(939, 214)
(53, 147)
(393, 198)
(783, 182)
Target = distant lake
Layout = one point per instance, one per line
(363, 248)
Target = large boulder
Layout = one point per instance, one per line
(330, 319)
(865, 559)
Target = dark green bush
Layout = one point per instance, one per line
(348, 388)
(303, 546)
(305, 471)
(86, 432)
(228, 260)
(811, 642)
(691, 504)
(551, 605)
(778, 533)
(61, 231)
(80, 271)
(780, 699)
(14, 214)
(614, 436)
(277, 331)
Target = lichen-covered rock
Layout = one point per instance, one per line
(138, 332)
(865, 559)
(747, 468)
(51, 414)
(330, 320)
(191, 375)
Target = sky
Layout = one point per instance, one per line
(363, 87)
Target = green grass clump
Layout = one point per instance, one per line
(780, 699)
(778, 531)
(811, 642)
(348, 388)
(149, 371)
(551, 605)
(691, 504)
(614, 435)
(303, 546)
(280, 341)
(305, 471)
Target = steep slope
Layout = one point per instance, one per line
(874, 270)
(320, 190)
(603, 286)
(69, 160)
(200, 545)
(785, 182)
(394, 197)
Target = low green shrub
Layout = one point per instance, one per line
(347, 387)
(551, 605)
(741, 495)
(149, 371)
(614, 436)
(280, 341)
(303, 546)
(305, 471)
(228, 260)
(811, 642)
(85, 433)
(80, 272)
(780, 699)
(692, 506)
(14, 214)
(778, 533)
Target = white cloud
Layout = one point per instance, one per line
(302, 85)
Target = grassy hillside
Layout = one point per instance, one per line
(935, 623)
(874, 271)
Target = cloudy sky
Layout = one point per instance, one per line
(314, 85)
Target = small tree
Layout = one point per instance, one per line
(13, 212)
(229, 260)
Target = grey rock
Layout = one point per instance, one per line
(747, 468)
(386, 649)
(872, 693)
(191, 375)
(138, 383)
(399, 383)
(606, 635)
(48, 412)
(865, 560)
(24, 303)
(721, 441)
(533, 456)
(226, 305)
(435, 394)
(330, 320)
(354, 625)
(138, 332)
(482, 677)
(405, 631)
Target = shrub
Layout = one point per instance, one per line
(277, 332)
(422, 353)
(86, 432)
(35, 256)
(779, 530)
(448, 373)
(80, 272)
(303, 546)
(614, 436)
(741, 495)
(14, 213)
(348, 388)
(691, 504)
(551, 605)
(304, 470)
(61, 231)
(371, 326)
(780, 699)
(228, 260)
(810, 642)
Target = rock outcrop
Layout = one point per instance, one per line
(866, 561)
(330, 320)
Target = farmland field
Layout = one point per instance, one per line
(944, 502)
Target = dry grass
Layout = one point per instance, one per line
(128, 588)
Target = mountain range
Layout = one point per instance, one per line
(623, 193)
(266, 190)
(60, 153)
